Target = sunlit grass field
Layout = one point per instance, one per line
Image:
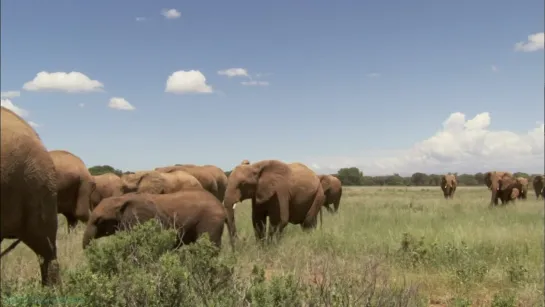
(452, 251)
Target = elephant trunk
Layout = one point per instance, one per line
(89, 234)
(231, 198)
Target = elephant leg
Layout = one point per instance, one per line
(71, 221)
(278, 220)
(259, 221)
(45, 248)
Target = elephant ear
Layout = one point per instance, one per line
(137, 210)
(325, 182)
(272, 177)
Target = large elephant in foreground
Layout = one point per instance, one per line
(29, 193)
(538, 185)
(448, 185)
(523, 193)
(75, 185)
(192, 212)
(283, 192)
(493, 180)
(154, 182)
(212, 178)
(107, 185)
(333, 191)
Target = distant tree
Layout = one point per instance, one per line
(103, 169)
(350, 176)
(519, 174)
(479, 177)
(467, 179)
(419, 179)
(227, 173)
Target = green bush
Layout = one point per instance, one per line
(141, 268)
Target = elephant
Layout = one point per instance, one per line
(509, 189)
(192, 212)
(29, 194)
(283, 192)
(538, 185)
(154, 182)
(75, 185)
(212, 178)
(107, 185)
(448, 185)
(492, 180)
(523, 194)
(333, 191)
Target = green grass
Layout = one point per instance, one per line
(453, 251)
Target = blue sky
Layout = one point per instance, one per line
(361, 83)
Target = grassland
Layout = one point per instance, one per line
(453, 252)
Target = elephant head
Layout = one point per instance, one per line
(493, 181)
(130, 182)
(120, 213)
(448, 183)
(258, 181)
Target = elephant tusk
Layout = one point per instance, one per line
(234, 206)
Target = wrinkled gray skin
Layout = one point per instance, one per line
(74, 187)
(333, 191)
(192, 212)
(29, 194)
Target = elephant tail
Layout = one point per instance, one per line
(12, 246)
(316, 207)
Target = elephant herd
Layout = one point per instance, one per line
(38, 184)
(504, 186)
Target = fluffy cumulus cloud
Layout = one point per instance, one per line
(71, 82)
(10, 94)
(234, 72)
(192, 81)
(461, 145)
(535, 42)
(171, 13)
(120, 104)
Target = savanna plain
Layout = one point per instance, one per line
(386, 246)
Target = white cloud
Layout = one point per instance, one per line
(71, 82)
(120, 104)
(373, 75)
(171, 13)
(33, 124)
(6, 103)
(494, 68)
(255, 83)
(141, 18)
(460, 146)
(10, 94)
(535, 42)
(234, 72)
(192, 81)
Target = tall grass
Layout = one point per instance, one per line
(410, 243)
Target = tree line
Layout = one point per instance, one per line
(353, 176)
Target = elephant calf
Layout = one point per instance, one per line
(192, 212)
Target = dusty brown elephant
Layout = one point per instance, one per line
(538, 185)
(333, 191)
(75, 186)
(212, 178)
(448, 185)
(107, 185)
(492, 180)
(29, 194)
(283, 192)
(192, 212)
(509, 189)
(523, 193)
(154, 182)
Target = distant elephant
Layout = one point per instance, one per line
(212, 178)
(29, 193)
(509, 188)
(448, 185)
(75, 186)
(492, 180)
(283, 192)
(245, 162)
(192, 212)
(538, 183)
(333, 191)
(155, 182)
(107, 185)
(523, 194)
